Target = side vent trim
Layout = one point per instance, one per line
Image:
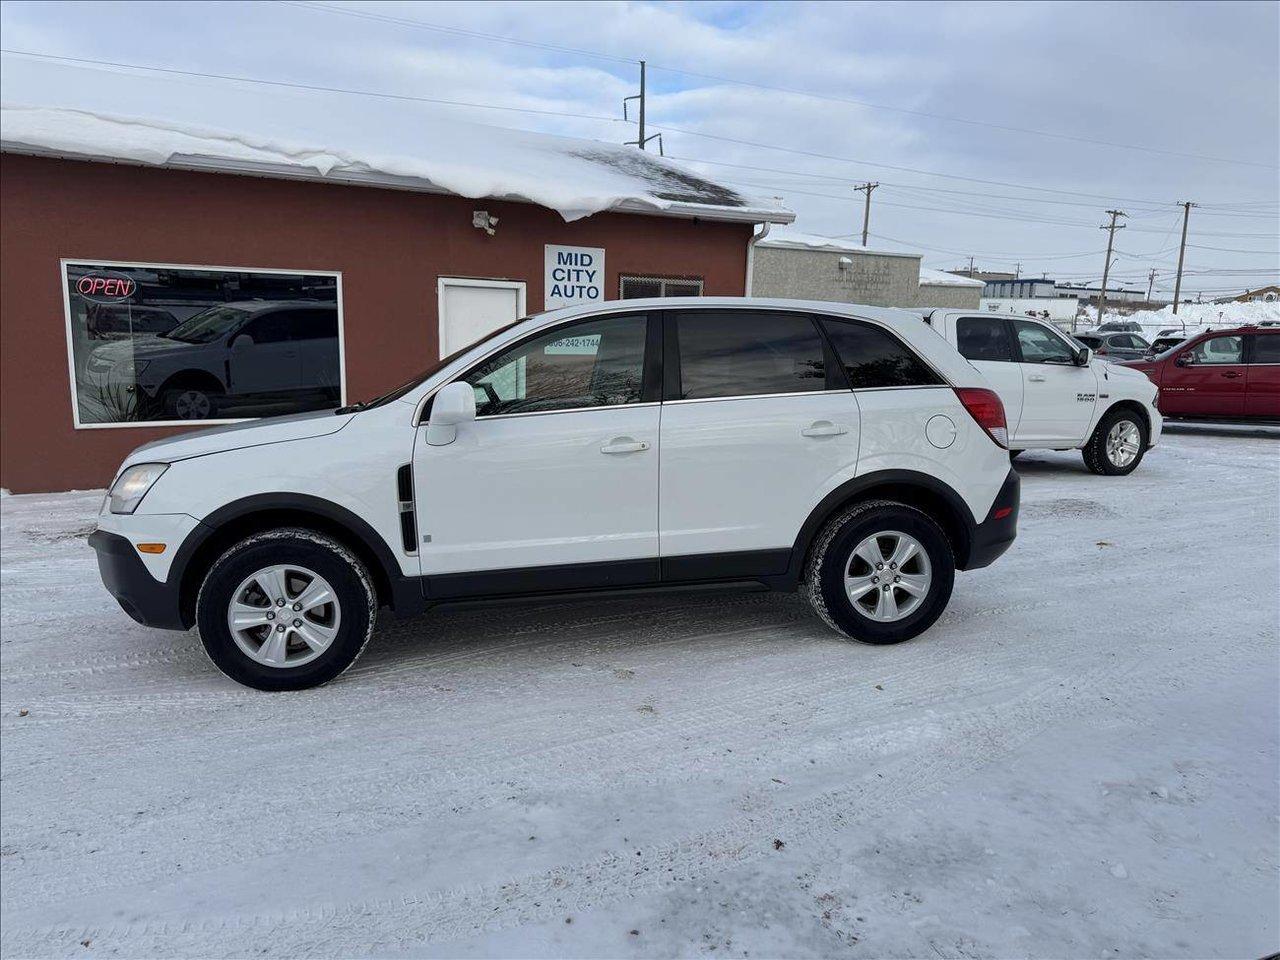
(404, 501)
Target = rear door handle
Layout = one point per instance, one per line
(823, 428)
(1035, 378)
(624, 445)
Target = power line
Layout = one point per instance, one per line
(969, 121)
(308, 86)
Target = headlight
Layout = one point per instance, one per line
(127, 492)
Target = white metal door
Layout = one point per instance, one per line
(1058, 397)
(742, 474)
(470, 309)
(541, 489)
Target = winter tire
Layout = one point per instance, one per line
(880, 572)
(1118, 443)
(286, 609)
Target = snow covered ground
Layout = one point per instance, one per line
(1080, 759)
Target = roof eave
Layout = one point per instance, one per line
(386, 181)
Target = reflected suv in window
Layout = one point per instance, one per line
(232, 359)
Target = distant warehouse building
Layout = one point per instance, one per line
(805, 266)
(159, 274)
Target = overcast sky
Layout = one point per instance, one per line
(920, 97)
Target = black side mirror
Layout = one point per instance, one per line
(1081, 357)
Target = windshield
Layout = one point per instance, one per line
(207, 326)
(1088, 340)
(434, 368)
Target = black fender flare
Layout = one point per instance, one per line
(911, 486)
(402, 593)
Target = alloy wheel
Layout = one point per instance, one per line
(888, 576)
(284, 616)
(1123, 443)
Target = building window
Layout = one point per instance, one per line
(155, 344)
(634, 287)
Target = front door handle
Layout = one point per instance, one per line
(624, 445)
(1035, 378)
(823, 428)
(1231, 374)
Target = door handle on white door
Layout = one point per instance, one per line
(1035, 378)
(823, 428)
(624, 445)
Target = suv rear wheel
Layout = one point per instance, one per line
(285, 610)
(1118, 443)
(880, 572)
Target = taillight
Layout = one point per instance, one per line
(985, 407)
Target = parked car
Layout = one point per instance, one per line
(844, 451)
(226, 356)
(1056, 395)
(1122, 346)
(1219, 375)
(1120, 326)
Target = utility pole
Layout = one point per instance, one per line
(1182, 252)
(866, 209)
(1111, 229)
(641, 139)
(1151, 282)
(1017, 270)
(971, 268)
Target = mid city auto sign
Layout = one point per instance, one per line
(573, 275)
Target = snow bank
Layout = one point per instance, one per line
(1194, 317)
(576, 178)
(940, 278)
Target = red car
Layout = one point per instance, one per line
(1219, 375)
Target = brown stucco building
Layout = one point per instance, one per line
(403, 265)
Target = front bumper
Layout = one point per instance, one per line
(994, 535)
(151, 602)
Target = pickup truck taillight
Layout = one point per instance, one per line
(985, 407)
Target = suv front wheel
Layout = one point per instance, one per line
(881, 572)
(285, 610)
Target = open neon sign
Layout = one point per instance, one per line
(103, 287)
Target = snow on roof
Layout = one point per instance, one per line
(940, 278)
(425, 152)
(796, 240)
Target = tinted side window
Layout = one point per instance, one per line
(740, 353)
(315, 324)
(983, 338)
(1266, 348)
(595, 363)
(1039, 345)
(273, 328)
(872, 357)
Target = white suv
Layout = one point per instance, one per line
(1056, 393)
(847, 451)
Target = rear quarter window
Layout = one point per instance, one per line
(873, 357)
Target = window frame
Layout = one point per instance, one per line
(663, 280)
(65, 262)
(650, 383)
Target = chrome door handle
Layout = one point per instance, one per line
(624, 445)
(823, 428)
(1035, 378)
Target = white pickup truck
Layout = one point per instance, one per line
(1056, 394)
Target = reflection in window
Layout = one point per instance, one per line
(633, 288)
(596, 363)
(741, 353)
(1039, 345)
(1219, 350)
(163, 344)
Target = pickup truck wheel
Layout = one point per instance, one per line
(286, 609)
(880, 572)
(1117, 445)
